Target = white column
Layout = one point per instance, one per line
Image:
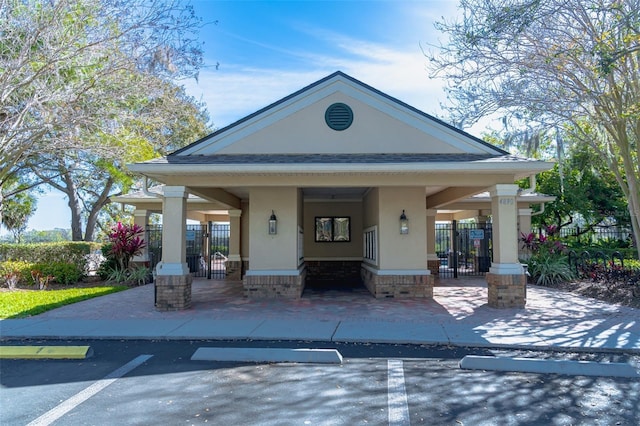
(524, 227)
(234, 235)
(432, 257)
(174, 239)
(505, 230)
(141, 218)
(524, 221)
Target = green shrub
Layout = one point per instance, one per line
(22, 268)
(110, 263)
(62, 252)
(612, 243)
(632, 264)
(627, 253)
(137, 275)
(548, 269)
(63, 273)
(140, 275)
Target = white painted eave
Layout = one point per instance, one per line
(296, 169)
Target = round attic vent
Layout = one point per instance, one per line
(339, 116)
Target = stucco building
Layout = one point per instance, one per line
(338, 176)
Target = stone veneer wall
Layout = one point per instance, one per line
(333, 270)
(507, 291)
(434, 267)
(274, 286)
(173, 292)
(398, 286)
(233, 270)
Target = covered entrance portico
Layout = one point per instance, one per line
(338, 173)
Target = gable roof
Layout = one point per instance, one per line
(293, 137)
(419, 122)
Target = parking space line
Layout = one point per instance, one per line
(77, 399)
(397, 394)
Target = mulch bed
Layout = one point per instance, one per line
(614, 293)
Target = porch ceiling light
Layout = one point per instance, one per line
(273, 224)
(404, 223)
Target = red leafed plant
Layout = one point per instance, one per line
(548, 243)
(126, 242)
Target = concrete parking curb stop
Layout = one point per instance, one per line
(323, 356)
(548, 366)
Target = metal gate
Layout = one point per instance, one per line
(218, 249)
(206, 252)
(464, 249)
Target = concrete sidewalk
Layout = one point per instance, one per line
(458, 315)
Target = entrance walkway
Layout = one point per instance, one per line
(457, 315)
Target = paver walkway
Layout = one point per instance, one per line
(457, 315)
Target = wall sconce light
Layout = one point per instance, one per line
(273, 224)
(404, 223)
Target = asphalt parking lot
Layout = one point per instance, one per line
(375, 384)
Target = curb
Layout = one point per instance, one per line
(45, 352)
(322, 356)
(548, 366)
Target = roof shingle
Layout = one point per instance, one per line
(333, 158)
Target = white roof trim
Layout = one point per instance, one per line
(208, 169)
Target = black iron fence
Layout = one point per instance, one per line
(207, 248)
(607, 268)
(464, 249)
(595, 235)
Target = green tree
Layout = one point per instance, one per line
(567, 66)
(17, 209)
(62, 61)
(587, 193)
(142, 126)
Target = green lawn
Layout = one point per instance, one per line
(20, 304)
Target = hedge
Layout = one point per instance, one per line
(62, 272)
(61, 252)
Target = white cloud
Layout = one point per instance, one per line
(396, 67)
(231, 95)
(232, 92)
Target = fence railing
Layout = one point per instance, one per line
(592, 235)
(606, 268)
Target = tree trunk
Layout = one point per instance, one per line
(74, 206)
(634, 212)
(92, 219)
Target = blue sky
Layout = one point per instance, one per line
(265, 50)
(269, 49)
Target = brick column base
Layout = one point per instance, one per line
(233, 270)
(173, 292)
(397, 286)
(434, 267)
(507, 291)
(274, 286)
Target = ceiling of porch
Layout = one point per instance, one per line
(329, 193)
